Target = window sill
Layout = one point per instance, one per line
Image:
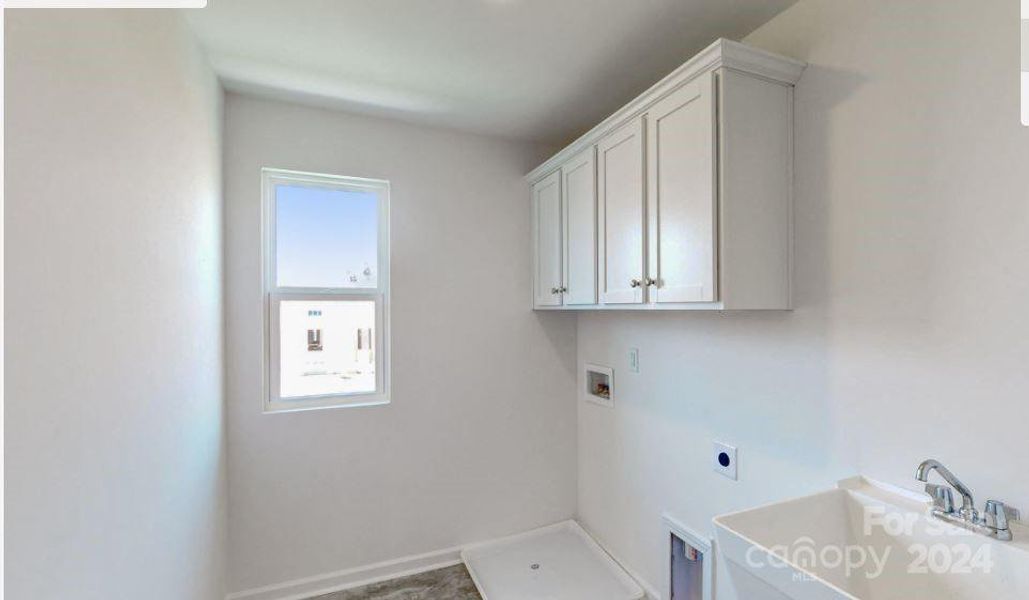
(274, 408)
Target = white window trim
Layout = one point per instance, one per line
(272, 295)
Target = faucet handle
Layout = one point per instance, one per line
(996, 514)
(943, 497)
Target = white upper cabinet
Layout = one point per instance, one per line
(546, 199)
(621, 214)
(681, 202)
(579, 187)
(693, 206)
(564, 212)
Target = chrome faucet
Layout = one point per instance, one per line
(994, 520)
(942, 493)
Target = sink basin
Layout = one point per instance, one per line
(869, 541)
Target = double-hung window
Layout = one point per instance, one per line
(326, 290)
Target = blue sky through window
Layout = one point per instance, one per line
(325, 237)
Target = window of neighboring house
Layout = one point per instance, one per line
(326, 290)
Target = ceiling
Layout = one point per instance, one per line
(541, 70)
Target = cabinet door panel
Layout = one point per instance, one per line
(620, 194)
(681, 201)
(546, 198)
(579, 183)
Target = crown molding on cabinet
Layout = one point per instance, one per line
(721, 53)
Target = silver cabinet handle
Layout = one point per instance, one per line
(564, 290)
(555, 290)
(648, 281)
(635, 283)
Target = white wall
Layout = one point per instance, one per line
(114, 419)
(911, 332)
(479, 440)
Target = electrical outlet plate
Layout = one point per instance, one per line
(723, 460)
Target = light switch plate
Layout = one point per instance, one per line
(724, 460)
(634, 360)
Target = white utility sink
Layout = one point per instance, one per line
(867, 541)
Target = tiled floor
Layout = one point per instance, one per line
(451, 583)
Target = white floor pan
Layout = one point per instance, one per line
(559, 562)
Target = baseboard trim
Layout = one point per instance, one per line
(326, 583)
(300, 589)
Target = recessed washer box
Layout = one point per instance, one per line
(600, 384)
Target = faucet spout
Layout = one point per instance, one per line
(967, 503)
(994, 520)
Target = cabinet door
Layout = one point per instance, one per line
(681, 201)
(546, 201)
(620, 195)
(579, 184)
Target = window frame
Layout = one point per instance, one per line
(273, 295)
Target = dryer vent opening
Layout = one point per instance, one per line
(687, 570)
(690, 567)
